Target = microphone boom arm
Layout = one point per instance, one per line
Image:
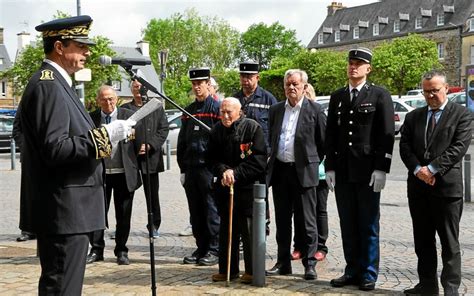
(153, 89)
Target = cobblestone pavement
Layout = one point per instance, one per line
(19, 268)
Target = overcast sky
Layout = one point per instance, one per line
(123, 21)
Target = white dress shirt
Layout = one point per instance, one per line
(286, 143)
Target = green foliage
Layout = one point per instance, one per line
(399, 64)
(192, 41)
(272, 80)
(263, 43)
(229, 82)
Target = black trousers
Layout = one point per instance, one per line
(63, 262)
(203, 210)
(290, 197)
(322, 192)
(155, 197)
(123, 201)
(431, 215)
(358, 207)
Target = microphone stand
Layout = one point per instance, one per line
(143, 94)
(134, 76)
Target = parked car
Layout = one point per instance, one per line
(458, 97)
(415, 92)
(404, 105)
(324, 105)
(170, 112)
(174, 121)
(6, 129)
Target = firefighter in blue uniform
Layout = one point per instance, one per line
(195, 175)
(359, 139)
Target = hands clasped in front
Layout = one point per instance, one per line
(228, 178)
(425, 175)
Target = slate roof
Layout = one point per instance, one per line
(391, 10)
(6, 58)
(148, 71)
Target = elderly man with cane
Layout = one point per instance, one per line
(237, 156)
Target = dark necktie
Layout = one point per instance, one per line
(355, 93)
(107, 119)
(431, 124)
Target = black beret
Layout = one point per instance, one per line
(361, 53)
(73, 28)
(249, 67)
(199, 74)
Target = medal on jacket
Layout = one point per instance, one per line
(245, 150)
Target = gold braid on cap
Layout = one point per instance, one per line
(69, 33)
(101, 140)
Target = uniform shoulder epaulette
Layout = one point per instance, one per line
(47, 75)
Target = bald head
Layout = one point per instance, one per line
(230, 111)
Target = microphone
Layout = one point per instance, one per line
(107, 61)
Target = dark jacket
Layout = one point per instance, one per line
(447, 146)
(360, 134)
(62, 181)
(193, 139)
(257, 108)
(129, 154)
(309, 140)
(157, 132)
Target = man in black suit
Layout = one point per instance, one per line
(359, 138)
(121, 176)
(433, 141)
(62, 174)
(297, 131)
(156, 133)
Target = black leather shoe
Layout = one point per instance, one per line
(25, 237)
(93, 257)
(344, 280)
(208, 260)
(420, 289)
(310, 273)
(122, 259)
(192, 259)
(366, 285)
(279, 269)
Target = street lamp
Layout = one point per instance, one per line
(163, 58)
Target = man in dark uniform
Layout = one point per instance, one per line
(62, 174)
(195, 176)
(156, 133)
(359, 137)
(121, 176)
(237, 156)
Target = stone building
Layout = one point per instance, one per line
(449, 23)
(6, 96)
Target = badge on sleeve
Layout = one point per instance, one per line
(46, 75)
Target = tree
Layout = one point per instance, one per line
(399, 64)
(263, 43)
(30, 59)
(192, 41)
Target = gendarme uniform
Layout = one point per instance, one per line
(257, 105)
(192, 160)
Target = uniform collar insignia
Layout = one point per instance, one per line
(47, 75)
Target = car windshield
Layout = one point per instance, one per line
(6, 124)
(416, 103)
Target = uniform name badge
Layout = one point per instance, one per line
(196, 127)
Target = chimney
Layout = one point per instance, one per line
(333, 7)
(23, 40)
(144, 48)
(1, 35)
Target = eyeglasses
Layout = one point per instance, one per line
(431, 92)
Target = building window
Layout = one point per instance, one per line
(471, 25)
(375, 30)
(440, 47)
(337, 36)
(472, 54)
(440, 19)
(1, 61)
(356, 33)
(3, 89)
(320, 38)
(418, 22)
(396, 26)
(117, 85)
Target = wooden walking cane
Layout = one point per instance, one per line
(229, 237)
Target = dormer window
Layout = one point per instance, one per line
(337, 36)
(356, 33)
(471, 25)
(440, 19)
(375, 30)
(396, 26)
(320, 38)
(418, 22)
